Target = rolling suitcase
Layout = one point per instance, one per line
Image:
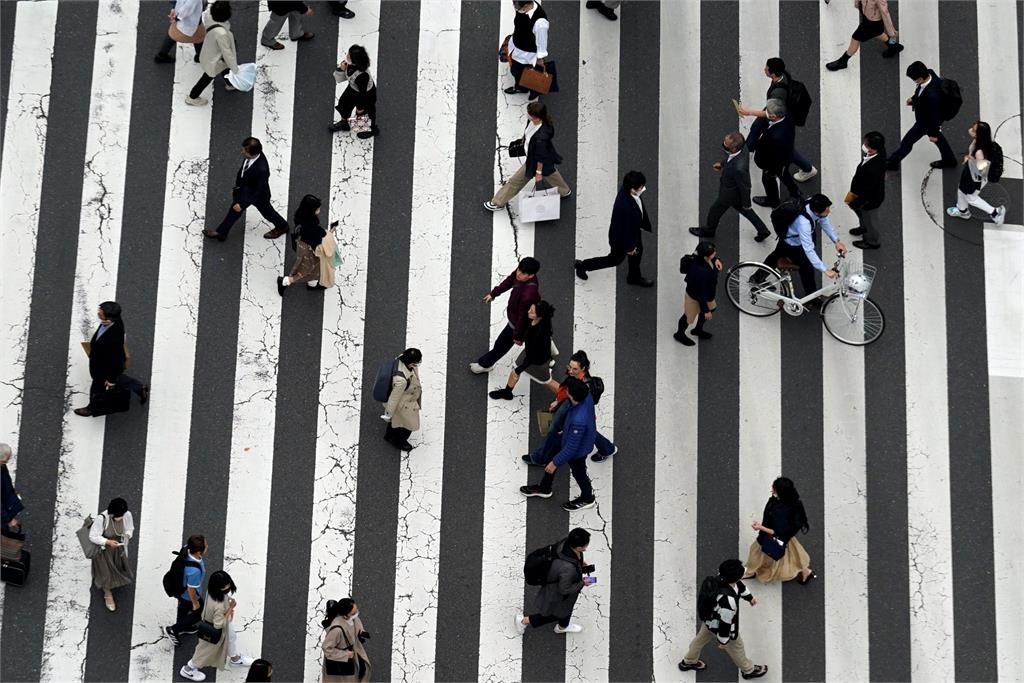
(15, 572)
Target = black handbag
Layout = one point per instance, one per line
(771, 547)
(517, 148)
(208, 632)
(341, 667)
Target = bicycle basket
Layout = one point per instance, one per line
(857, 283)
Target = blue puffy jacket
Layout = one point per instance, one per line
(578, 432)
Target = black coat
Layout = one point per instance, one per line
(106, 359)
(869, 184)
(558, 595)
(734, 185)
(254, 186)
(773, 147)
(702, 283)
(538, 344)
(281, 7)
(928, 105)
(627, 222)
(541, 150)
(12, 506)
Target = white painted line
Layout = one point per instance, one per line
(174, 354)
(675, 481)
(930, 563)
(419, 507)
(999, 79)
(341, 360)
(1004, 289)
(99, 246)
(259, 337)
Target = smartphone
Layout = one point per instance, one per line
(335, 224)
(593, 580)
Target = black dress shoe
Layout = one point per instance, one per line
(857, 231)
(214, 235)
(861, 244)
(344, 13)
(280, 285)
(944, 164)
(144, 394)
(603, 9)
(762, 200)
(762, 236)
(163, 58)
(703, 234)
(581, 273)
(514, 90)
(683, 339)
(642, 282)
(84, 412)
(367, 134)
(342, 125)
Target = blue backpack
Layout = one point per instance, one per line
(382, 384)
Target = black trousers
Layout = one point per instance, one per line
(265, 209)
(502, 345)
(124, 381)
(187, 618)
(201, 84)
(799, 258)
(351, 99)
(916, 132)
(168, 47)
(538, 620)
(396, 435)
(614, 258)
(718, 210)
(579, 473)
(770, 178)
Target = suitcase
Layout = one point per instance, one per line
(11, 543)
(15, 572)
(114, 400)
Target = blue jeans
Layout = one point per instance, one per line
(801, 161)
(502, 345)
(543, 453)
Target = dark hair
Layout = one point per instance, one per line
(540, 110)
(528, 265)
(577, 388)
(520, 4)
(819, 202)
(634, 180)
(787, 493)
(252, 146)
(544, 310)
(220, 10)
(337, 608)
(196, 543)
(917, 70)
(581, 358)
(410, 356)
(111, 310)
(219, 585)
(875, 141)
(117, 507)
(983, 138)
(776, 67)
(578, 538)
(259, 672)
(360, 59)
(731, 571)
(306, 213)
(705, 249)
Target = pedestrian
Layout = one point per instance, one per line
(537, 355)
(606, 8)
(190, 601)
(733, 190)
(525, 292)
(252, 188)
(699, 303)
(345, 658)
(218, 55)
(11, 501)
(402, 411)
(565, 581)
(773, 152)
(718, 606)
(578, 367)
(218, 615)
(310, 234)
(928, 116)
(186, 26)
(629, 218)
(293, 12)
(782, 87)
(975, 176)
(360, 92)
(783, 517)
(528, 45)
(261, 671)
(799, 243)
(867, 190)
(875, 22)
(578, 435)
(107, 360)
(541, 158)
(111, 530)
(339, 8)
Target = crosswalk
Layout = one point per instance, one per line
(261, 432)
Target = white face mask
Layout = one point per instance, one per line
(864, 148)
(352, 618)
(640, 191)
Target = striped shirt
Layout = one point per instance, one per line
(725, 623)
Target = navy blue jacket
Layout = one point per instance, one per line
(11, 503)
(928, 105)
(627, 222)
(106, 357)
(701, 283)
(773, 147)
(541, 150)
(255, 184)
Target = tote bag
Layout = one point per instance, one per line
(245, 79)
(540, 205)
(89, 549)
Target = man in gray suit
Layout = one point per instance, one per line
(733, 190)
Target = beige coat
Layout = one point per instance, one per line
(406, 399)
(208, 654)
(218, 51)
(325, 252)
(341, 642)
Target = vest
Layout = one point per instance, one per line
(522, 35)
(356, 74)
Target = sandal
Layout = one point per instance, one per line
(810, 577)
(698, 666)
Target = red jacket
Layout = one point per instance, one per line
(524, 295)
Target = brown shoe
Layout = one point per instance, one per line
(84, 412)
(213, 234)
(304, 37)
(275, 46)
(275, 233)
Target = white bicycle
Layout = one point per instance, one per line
(847, 312)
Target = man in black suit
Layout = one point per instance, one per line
(733, 190)
(927, 104)
(773, 152)
(107, 359)
(252, 188)
(629, 217)
(867, 190)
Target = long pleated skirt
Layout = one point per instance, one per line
(766, 570)
(110, 569)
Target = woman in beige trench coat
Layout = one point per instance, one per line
(402, 411)
(219, 610)
(343, 644)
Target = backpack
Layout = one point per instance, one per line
(798, 101)
(951, 98)
(538, 564)
(707, 597)
(596, 388)
(382, 384)
(784, 214)
(174, 579)
(686, 262)
(995, 164)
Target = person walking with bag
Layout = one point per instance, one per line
(629, 220)
(107, 360)
(360, 92)
(541, 159)
(699, 299)
(111, 530)
(927, 103)
(218, 643)
(402, 410)
(252, 188)
(536, 357)
(875, 22)
(279, 11)
(528, 44)
(776, 554)
(186, 574)
(186, 18)
(310, 234)
(562, 587)
(977, 170)
(525, 292)
(218, 55)
(345, 658)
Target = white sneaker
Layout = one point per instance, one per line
(954, 212)
(192, 674)
(196, 102)
(243, 660)
(1000, 215)
(491, 206)
(801, 176)
(478, 369)
(520, 626)
(571, 628)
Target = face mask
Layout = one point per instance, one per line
(640, 191)
(864, 148)
(352, 618)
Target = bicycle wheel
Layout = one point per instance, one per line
(855, 322)
(746, 284)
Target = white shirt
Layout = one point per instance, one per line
(99, 523)
(772, 123)
(531, 128)
(733, 155)
(639, 203)
(246, 164)
(189, 13)
(540, 34)
(920, 88)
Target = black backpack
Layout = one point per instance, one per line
(174, 579)
(538, 564)
(707, 597)
(686, 262)
(596, 388)
(995, 167)
(382, 384)
(952, 100)
(784, 214)
(798, 101)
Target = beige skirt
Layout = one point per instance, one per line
(766, 570)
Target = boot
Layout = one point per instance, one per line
(892, 50)
(505, 393)
(698, 331)
(839, 63)
(680, 334)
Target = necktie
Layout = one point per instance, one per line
(245, 165)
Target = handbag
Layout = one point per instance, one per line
(175, 34)
(771, 547)
(517, 147)
(503, 52)
(341, 667)
(89, 549)
(205, 630)
(540, 205)
(245, 79)
(538, 80)
(11, 543)
(544, 419)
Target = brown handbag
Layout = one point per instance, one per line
(175, 34)
(538, 80)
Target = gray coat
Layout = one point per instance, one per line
(734, 185)
(558, 596)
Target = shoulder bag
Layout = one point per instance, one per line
(89, 549)
(341, 667)
(205, 630)
(517, 148)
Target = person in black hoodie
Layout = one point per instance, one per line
(107, 360)
(867, 190)
(307, 264)
(536, 358)
(699, 300)
(927, 105)
(541, 158)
